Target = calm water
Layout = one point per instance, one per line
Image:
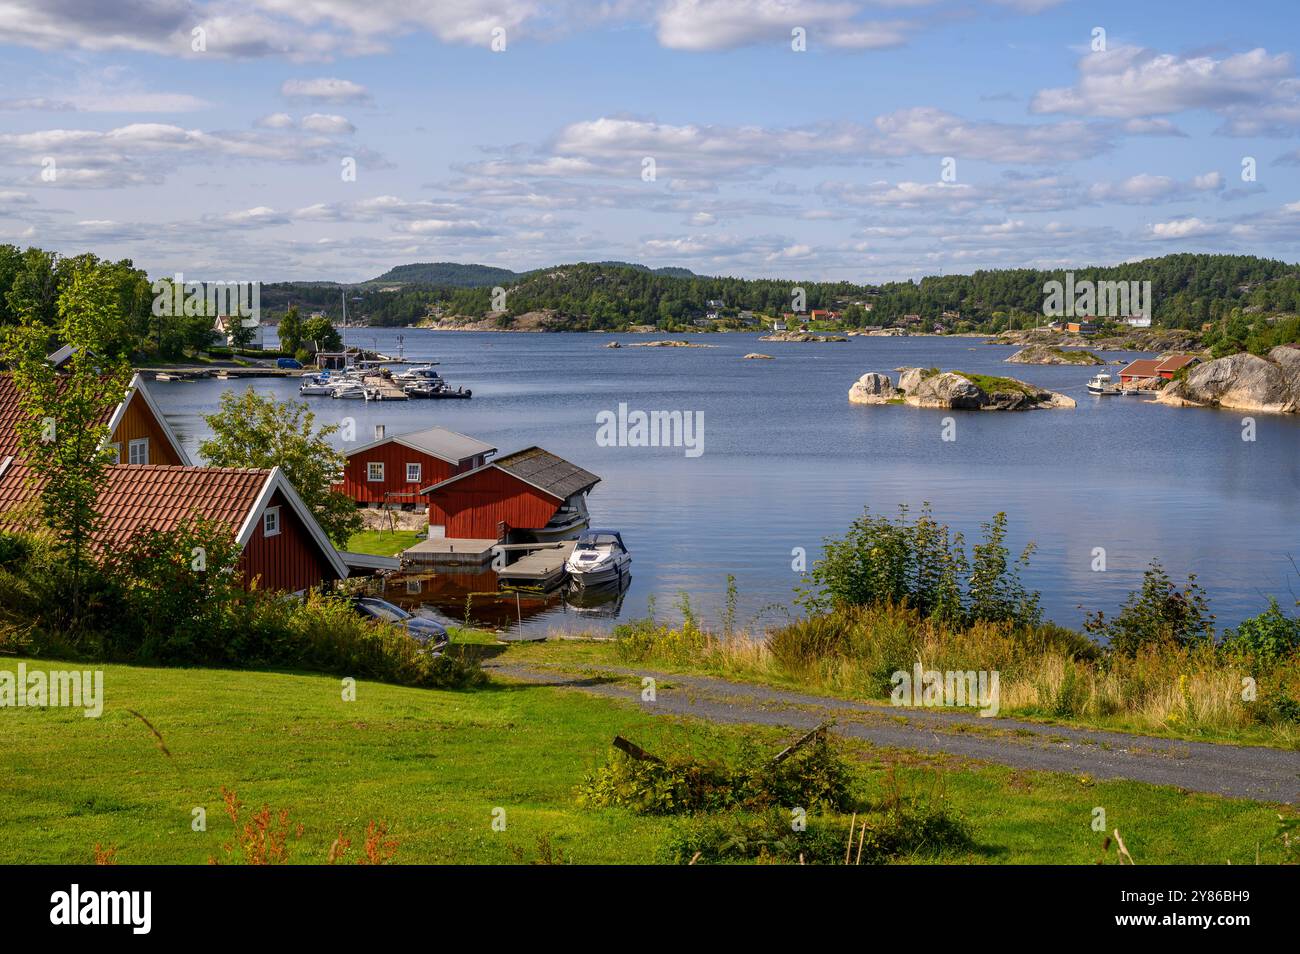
(787, 460)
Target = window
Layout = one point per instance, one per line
(139, 451)
(375, 471)
(117, 452)
(271, 522)
(412, 473)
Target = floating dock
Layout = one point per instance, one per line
(446, 551)
(542, 566)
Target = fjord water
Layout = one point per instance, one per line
(788, 460)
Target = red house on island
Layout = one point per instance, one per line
(528, 496)
(390, 471)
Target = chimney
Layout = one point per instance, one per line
(379, 432)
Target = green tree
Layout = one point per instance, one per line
(1158, 613)
(254, 431)
(290, 331)
(64, 427)
(320, 333)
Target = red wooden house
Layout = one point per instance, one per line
(390, 471)
(284, 548)
(1144, 368)
(531, 495)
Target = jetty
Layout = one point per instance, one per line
(542, 566)
(538, 564)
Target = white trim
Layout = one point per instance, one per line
(271, 512)
(276, 480)
(382, 471)
(138, 386)
(4, 464)
(419, 472)
(131, 446)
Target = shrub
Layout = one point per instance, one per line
(814, 777)
(922, 564)
(15, 549)
(1268, 637)
(1158, 613)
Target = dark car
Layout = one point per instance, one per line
(427, 632)
(288, 364)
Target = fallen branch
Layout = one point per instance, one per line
(635, 751)
(791, 749)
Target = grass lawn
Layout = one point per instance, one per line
(383, 542)
(434, 765)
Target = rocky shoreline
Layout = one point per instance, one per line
(1046, 354)
(1241, 382)
(954, 390)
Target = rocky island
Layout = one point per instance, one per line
(1243, 381)
(958, 390)
(1048, 354)
(800, 336)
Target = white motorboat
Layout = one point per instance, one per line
(349, 390)
(420, 373)
(1101, 384)
(599, 557)
(316, 385)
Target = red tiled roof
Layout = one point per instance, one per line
(161, 497)
(154, 496)
(1176, 361)
(11, 413)
(1142, 368)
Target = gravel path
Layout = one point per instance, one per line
(1253, 772)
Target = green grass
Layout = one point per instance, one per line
(433, 765)
(383, 542)
(989, 383)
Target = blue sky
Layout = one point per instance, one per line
(226, 162)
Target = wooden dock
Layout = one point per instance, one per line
(446, 551)
(543, 566)
(387, 390)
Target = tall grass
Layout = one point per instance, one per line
(1044, 670)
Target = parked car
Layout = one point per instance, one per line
(427, 632)
(288, 364)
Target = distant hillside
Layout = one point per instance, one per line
(457, 275)
(447, 275)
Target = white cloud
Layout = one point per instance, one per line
(325, 89)
(1254, 91)
(329, 124)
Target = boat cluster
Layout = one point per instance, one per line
(422, 381)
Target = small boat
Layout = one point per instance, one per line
(599, 557)
(316, 385)
(349, 390)
(1101, 385)
(435, 390)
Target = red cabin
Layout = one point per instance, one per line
(284, 548)
(390, 471)
(531, 495)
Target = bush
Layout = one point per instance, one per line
(922, 564)
(1268, 637)
(15, 549)
(815, 777)
(1157, 614)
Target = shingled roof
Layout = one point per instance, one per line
(437, 442)
(538, 468)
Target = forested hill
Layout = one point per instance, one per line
(447, 274)
(1187, 290)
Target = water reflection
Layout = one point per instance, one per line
(470, 596)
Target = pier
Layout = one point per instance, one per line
(542, 566)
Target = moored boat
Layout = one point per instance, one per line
(1101, 385)
(599, 557)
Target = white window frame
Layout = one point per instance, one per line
(271, 522)
(370, 471)
(139, 442)
(116, 447)
(419, 470)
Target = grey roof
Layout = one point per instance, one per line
(546, 472)
(438, 442)
(539, 468)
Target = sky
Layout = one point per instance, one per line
(858, 140)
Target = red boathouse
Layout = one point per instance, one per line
(390, 471)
